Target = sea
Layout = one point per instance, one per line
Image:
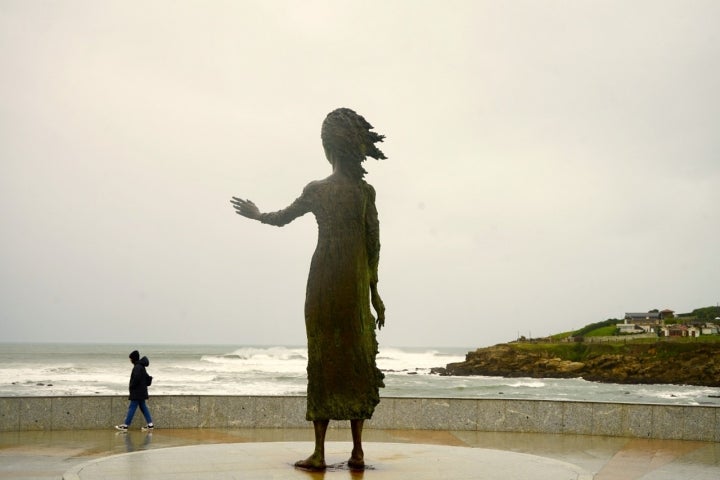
(40, 370)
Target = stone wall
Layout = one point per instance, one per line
(620, 338)
(492, 415)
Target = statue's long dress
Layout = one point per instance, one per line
(343, 379)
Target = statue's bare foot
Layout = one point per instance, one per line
(314, 462)
(357, 460)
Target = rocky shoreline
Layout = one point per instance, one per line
(643, 363)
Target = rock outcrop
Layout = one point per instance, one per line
(660, 362)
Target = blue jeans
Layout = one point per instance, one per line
(134, 404)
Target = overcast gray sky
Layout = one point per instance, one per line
(551, 163)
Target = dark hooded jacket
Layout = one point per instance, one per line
(139, 380)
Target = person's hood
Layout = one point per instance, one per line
(144, 361)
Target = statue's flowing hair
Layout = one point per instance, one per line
(348, 137)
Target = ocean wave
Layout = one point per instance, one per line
(258, 359)
(402, 360)
(675, 392)
(526, 384)
(42, 370)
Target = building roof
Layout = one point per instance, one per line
(642, 315)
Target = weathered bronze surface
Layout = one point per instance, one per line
(343, 379)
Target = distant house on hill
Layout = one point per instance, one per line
(628, 328)
(646, 322)
(675, 331)
(710, 329)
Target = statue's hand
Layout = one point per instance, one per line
(378, 305)
(246, 208)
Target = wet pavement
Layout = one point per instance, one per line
(92, 454)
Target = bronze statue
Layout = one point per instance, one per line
(343, 379)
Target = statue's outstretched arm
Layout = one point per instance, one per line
(248, 209)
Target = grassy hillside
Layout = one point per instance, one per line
(578, 352)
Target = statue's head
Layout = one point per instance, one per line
(347, 138)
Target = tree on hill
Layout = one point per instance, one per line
(704, 314)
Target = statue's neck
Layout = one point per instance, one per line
(340, 171)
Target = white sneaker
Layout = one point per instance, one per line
(148, 427)
(122, 428)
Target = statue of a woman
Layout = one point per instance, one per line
(343, 380)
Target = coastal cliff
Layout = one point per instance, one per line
(659, 362)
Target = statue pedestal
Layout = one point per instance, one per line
(269, 460)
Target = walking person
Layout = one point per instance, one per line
(343, 379)
(139, 381)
